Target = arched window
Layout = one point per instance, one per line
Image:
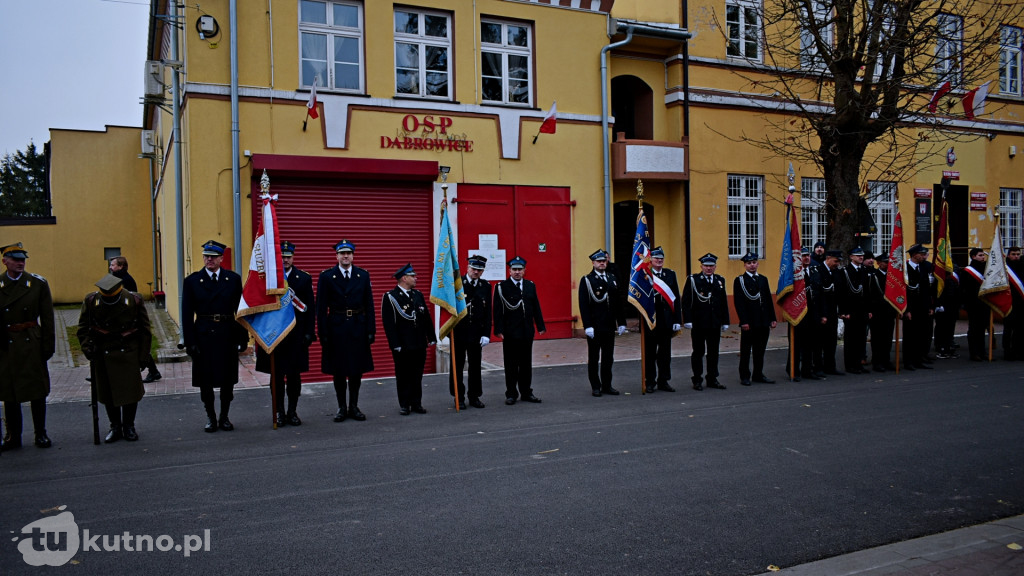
(633, 108)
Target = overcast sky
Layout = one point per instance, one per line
(73, 64)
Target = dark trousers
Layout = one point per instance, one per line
(409, 376)
(352, 384)
(882, 326)
(467, 346)
(945, 329)
(151, 365)
(518, 357)
(122, 415)
(754, 340)
(705, 341)
(289, 385)
(917, 338)
(855, 338)
(601, 348)
(825, 337)
(977, 325)
(12, 412)
(657, 354)
(803, 348)
(1013, 335)
(227, 394)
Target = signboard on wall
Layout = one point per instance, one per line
(979, 201)
(922, 220)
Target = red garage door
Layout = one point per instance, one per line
(535, 223)
(389, 221)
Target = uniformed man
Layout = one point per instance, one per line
(118, 266)
(818, 253)
(291, 357)
(472, 333)
(977, 309)
(114, 331)
(213, 338)
(27, 308)
(706, 315)
(883, 317)
(410, 331)
(917, 320)
(947, 312)
(1013, 324)
(669, 321)
(852, 304)
(807, 362)
(517, 315)
(346, 321)
(602, 316)
(755, 308)
(827, 328)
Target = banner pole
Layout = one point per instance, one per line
(899, 320)
(273, 387)
(991, 324)
(455, 376)
(643, 358)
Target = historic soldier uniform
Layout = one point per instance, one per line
(883, 317)
(706, 314)
(472, 333)
(27, 316)
(114, 330)
(668, 321)
(516, 314)
(755, 308)
(852, 301)
(601, 312)
(291, 357)
(213, 338)
(917, 321)
(118, 266)
(410, 331)
(346, 321)
(827, 322)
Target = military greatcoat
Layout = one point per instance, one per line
(27, 308)
(116, 338)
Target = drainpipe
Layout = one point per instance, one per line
(605, 145)
(176, 132)
(686, 132)
(152, 218)
(236, 184)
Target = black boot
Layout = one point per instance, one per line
(39, 422)
(128, 418)
(225, 424)
(211, 419)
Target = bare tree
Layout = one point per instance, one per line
(852, 82)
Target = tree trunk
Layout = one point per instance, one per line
(841, 168)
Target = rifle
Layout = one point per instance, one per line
(94, 404)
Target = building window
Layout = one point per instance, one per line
(743, 21)
(331, 45)
(506, 60)
(422, 45)
(746, 207)
(822, 22)
(813, 222)
(1010, 212)
(949, 46)
(881, 203)
(1009, 60)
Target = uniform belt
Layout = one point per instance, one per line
(22, 326)
(103, 332)
(217, 317)
(347, 311)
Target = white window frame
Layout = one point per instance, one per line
(881, 203)
(1010, 60)
(333, 34)
(1011, 210)
(885, 42)
(746, 215)
(949, 48)
(809, 57)
(422, 41)
(813, 222)
(745, 9)
(505, 50)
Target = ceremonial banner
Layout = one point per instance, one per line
(270, 328)
(641, 281)
(995, 288)
(942, 259)
(790, 295)
(895, 278)
(446, 288)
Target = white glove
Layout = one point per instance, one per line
(589, 332)
(676, 327)
(622, 330)
(688, 325)
(398, 349)
(484, 341)
(940, 309)
(725, 327)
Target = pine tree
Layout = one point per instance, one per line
(24, 190)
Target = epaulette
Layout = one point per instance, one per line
(37, 277)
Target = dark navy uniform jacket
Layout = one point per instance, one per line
(517, 313)
(208, 325)
(292, 354)
(346, 321)
(601, 302)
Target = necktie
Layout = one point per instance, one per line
(213, 276)
(346, 274)
(602, 277)
(519, 285)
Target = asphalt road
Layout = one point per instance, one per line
(716, 482)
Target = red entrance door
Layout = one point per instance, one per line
(530, 221)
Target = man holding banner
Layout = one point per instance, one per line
(668, 321)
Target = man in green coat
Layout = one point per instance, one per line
(27, 308)
(113, 328)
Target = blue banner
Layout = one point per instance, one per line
(641, 284)
(446, 283)
(270, 328)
